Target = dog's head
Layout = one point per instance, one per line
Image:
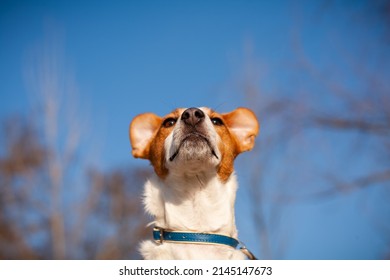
(193, 140)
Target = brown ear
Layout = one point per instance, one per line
(243, 124)
(141, 132)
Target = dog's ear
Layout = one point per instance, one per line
(141, 132)
(243, 124)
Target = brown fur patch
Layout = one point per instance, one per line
(227, 147)
(141, 132)
(157, 151)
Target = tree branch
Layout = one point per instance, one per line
(353, 124)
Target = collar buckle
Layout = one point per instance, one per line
(160, 232)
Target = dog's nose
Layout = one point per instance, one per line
(192, 116)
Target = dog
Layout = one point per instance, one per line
(192, 193)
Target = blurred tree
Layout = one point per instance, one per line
(54, 204)
(120, 210)
(357, 83)
(107, 223)
(22, 157)
(322, 109)
(103, 220)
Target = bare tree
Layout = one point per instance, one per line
(290, 115)
(54, 203)
(272, 111)
(364, 110)
(120, 210)
(23, 156)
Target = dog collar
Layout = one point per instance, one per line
(161, 235)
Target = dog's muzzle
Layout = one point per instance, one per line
(194, 130)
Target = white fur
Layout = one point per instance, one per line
(191, 206)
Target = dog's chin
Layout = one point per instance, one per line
(194, 153)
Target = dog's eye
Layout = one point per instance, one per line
(217, 121)
(169, 122)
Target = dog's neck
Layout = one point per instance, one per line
(199, 203)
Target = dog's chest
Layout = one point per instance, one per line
(208, 208)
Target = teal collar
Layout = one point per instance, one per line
(161, 235)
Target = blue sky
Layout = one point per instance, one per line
(123, 56)
(130, 57)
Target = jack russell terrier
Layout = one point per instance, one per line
(192, 194)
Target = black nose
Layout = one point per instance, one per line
(192, 116)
